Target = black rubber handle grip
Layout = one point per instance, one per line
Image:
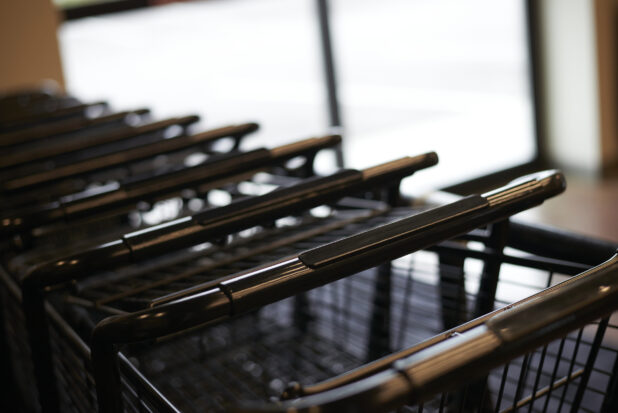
(389, 233)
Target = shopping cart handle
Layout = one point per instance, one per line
(347, 248)
(50, 150)
(579, 299)
(523, 192)
(149, 150)
(335, 186)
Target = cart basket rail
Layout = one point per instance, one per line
(421, 372)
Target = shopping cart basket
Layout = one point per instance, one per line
(544, 353)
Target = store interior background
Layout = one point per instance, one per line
(413, 76)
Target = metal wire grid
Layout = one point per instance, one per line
(547, 379)
(331, 329)
(75, 383)
(16, 339)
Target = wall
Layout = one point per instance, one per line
(28, 44)
(578, 39)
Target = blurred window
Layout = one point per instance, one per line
(413, 75)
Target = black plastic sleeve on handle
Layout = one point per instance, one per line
(221, 165)
(389, 233)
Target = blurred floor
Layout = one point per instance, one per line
(588, 206)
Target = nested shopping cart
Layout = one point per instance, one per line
(294, 347)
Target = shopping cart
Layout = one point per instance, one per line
(100, 296)
(336, 327)
(209, 225)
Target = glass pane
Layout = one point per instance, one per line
(414, 75)
(441, 75)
